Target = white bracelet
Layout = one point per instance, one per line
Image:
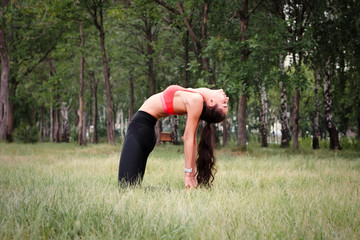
(188, 170)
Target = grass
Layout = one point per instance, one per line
(63, 191)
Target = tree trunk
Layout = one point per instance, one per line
(51, 124)
(57, 125)
(46, 128)
(81, 90)
(242, 121)
(41, 123)
(205, 63)
(96, 11)
(285, 132)
(316, 112)
(55, 108)
(95, 139)
(263, 116)
(186, 71)
(358, 120)
(244, 17)
(4, 84)
(110, 122)
(150, 51)
(225, 132)
(65, 123)
(175, 130)
(10, 122)
(10, 111)
(295, 119)
(84, 127)
(340, 86)
(206, 60)
(132, 100)
(334, 137)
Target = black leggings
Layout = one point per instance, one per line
(139, 142)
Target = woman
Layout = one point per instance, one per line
(199, 104)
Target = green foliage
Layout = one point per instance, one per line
(74, 134)
(350, 143)
(43, 37)
(27, 133)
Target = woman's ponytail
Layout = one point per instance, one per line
(205, 162)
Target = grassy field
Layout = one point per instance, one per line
(64, 191)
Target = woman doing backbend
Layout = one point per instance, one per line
(199, 104)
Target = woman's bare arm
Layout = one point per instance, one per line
(194, 107)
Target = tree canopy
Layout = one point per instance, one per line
(283, 63)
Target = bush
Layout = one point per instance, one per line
(350, 143)
(27, 133)
(74, 133)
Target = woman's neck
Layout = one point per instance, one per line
(205, 92)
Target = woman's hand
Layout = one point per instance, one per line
(190, 181)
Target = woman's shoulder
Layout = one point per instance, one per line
(193, 101)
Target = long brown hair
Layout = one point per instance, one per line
(205, 162)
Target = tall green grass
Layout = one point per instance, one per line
(63, 191)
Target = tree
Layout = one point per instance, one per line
(334, 25)
(82, 137)
(316, 133)
(277, 7)
(300, 11)
(263, 115)
(199, 39)
(5, 68)
(33, 37)
(330, 124)
(96, 11)
(285, 132)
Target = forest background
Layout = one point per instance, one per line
(78, 70)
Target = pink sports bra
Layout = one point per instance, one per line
(167, 97)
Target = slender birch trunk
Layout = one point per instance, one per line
(333, 133)
(285, 132)
(316, 133)
(263, 116)
(242, 121)
(51, 124)
(46, 128)
(84, 127)
(95, 139)
(295, 119)
(41, 123)
(81, 90)
(55, 107)
(65, 123)
(175, 131)
(296, 110)
(57, 126)
(225, 132)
